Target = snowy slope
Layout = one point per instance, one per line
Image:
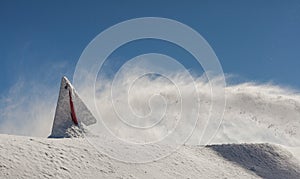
(28, 157)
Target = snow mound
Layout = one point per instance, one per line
(267, 161)
(27, 157)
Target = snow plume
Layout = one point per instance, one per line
(261, 113)
(253, 113)
(28, 109)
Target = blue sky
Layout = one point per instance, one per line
(255, 40)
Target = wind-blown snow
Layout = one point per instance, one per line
(254, 112)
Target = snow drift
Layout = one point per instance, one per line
(29, 157)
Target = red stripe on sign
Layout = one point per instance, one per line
(73, 114)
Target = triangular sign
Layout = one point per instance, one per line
(71, 113)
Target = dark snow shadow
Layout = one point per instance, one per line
(265, 160)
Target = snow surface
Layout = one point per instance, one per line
(29, 157)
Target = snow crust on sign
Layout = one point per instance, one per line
(28, 157)
(63, 125)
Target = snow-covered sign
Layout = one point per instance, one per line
(71, 113)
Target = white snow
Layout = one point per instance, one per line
(253, 114)
(29, 157)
